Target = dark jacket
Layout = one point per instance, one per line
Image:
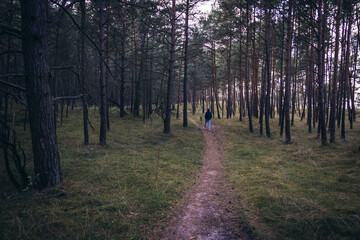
(208, 115)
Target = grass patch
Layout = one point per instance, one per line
(296, 191)
(115, 192)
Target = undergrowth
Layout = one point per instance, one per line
(115, 192)
(295, 191)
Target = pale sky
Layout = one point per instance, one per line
(205, 7)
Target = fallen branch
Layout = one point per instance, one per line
(67, 97)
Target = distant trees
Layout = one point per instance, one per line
(252, 58)
(306, 80)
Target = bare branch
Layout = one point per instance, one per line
(21, 88)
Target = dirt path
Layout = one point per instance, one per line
(209, 208)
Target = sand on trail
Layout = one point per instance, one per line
(209, 209)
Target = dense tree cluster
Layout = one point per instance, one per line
(251, 59)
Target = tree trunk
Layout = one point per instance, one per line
(82, 73)
(288, 74)
(122, 66)
(214, 77)
(103, 92)
(179, 86)
(321, 49)
(133, 68)
(171, 71)
(141, 74)
(267, 67)
(43, 135)
(229, 104)
(247, 68)
(107, 70)
(294, 88)
(262, 99)
(281, 94)
(240, 74)
(185, 120)
(346, 72)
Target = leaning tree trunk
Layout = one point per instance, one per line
(43, 135)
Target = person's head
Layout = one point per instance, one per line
(208, 110)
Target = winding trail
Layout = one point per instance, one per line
(209, 209)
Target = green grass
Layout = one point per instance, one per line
(115, 192)
(296, 191)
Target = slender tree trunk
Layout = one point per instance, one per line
(141, 74)
(229, 104)
(171, 71)
(321, 49)
(179, 86)
(103, 95)
(214, 76)
(288, 74)
(267, 67)
(255, 72)
(346, 72)
(43, 135)
(281, 94)
(272, 112)
(294, 88)
(194, 97)
(240, 74)
(122, 67)
(185, 120)
(134, 68)
(107, 70)
(335, 75)
(262, 99)
(247, 68)
(82, 73)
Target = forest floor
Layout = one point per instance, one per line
(209, 210)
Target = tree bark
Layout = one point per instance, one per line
(43, 135)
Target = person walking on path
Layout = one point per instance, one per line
(208, 117)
